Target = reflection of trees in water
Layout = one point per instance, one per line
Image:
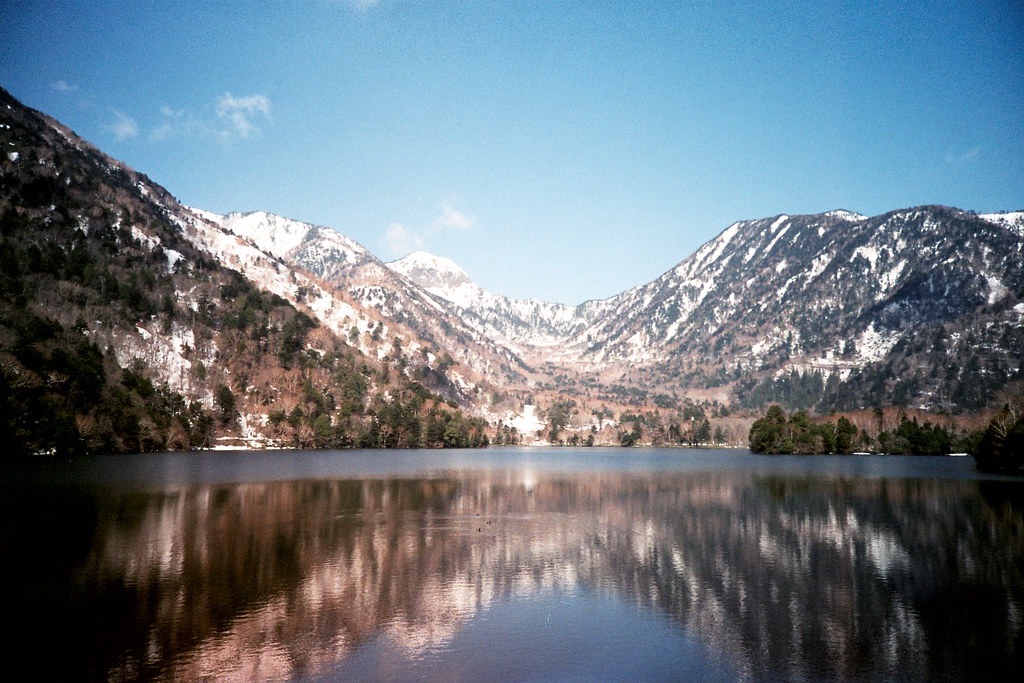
(839, 578)
(780, 576)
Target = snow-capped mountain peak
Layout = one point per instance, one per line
(315, 248)
(518, 322)
(273, 234)
(430, 271)
(440, 276)
(847, 215)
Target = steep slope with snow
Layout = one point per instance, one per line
(343, 269)
(129, 322)
(1012, 220)
(317, 249)
(519, 323)
(837, 292)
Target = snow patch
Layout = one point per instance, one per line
(818, 266)
(717, 246)
(847, 215)
(771, 245)
(873, 345)
(1013, 220)
(891, 277)
(997, 291)
(868, 252)
(528, 423)
(172, 257)
(149, 241)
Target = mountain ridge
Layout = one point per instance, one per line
(920, 307)
(863, 276)
(129, 322)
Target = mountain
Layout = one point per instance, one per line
(130, 322)
(517, 323)
(347, 270)
(923, 306)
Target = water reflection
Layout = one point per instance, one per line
(778, 576)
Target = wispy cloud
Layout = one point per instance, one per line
(400, 241)
(64, 86)
(182, 122)
(238, 113)
(171, 121)
(231, 117)
(124, 127)
(970, 154)
(451, 219)
(960, 158)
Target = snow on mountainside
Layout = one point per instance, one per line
(315, 248)
(838, 293)
(347, 270)
(924, 304)
(129, 322)
(522, 323)
(439, 276)
(1014, 220)
(835, 291)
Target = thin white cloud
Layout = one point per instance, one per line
(238, 113)
(961, 158)
(64, 86)
(124, 127)
(451, 219)
(232, 117)
(400, 241)
(170, 121)
(181, 122)
(970, 154)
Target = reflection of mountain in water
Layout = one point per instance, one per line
(779, 576)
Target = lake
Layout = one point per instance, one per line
(512, 564)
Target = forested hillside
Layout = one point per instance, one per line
(118, 334)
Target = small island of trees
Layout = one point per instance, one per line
(775, 433)
(999, 447)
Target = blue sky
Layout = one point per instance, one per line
(556, 150)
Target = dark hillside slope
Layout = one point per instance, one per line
(117, 333)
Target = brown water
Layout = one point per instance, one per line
(512, 564)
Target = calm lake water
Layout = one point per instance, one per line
(511, 564)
